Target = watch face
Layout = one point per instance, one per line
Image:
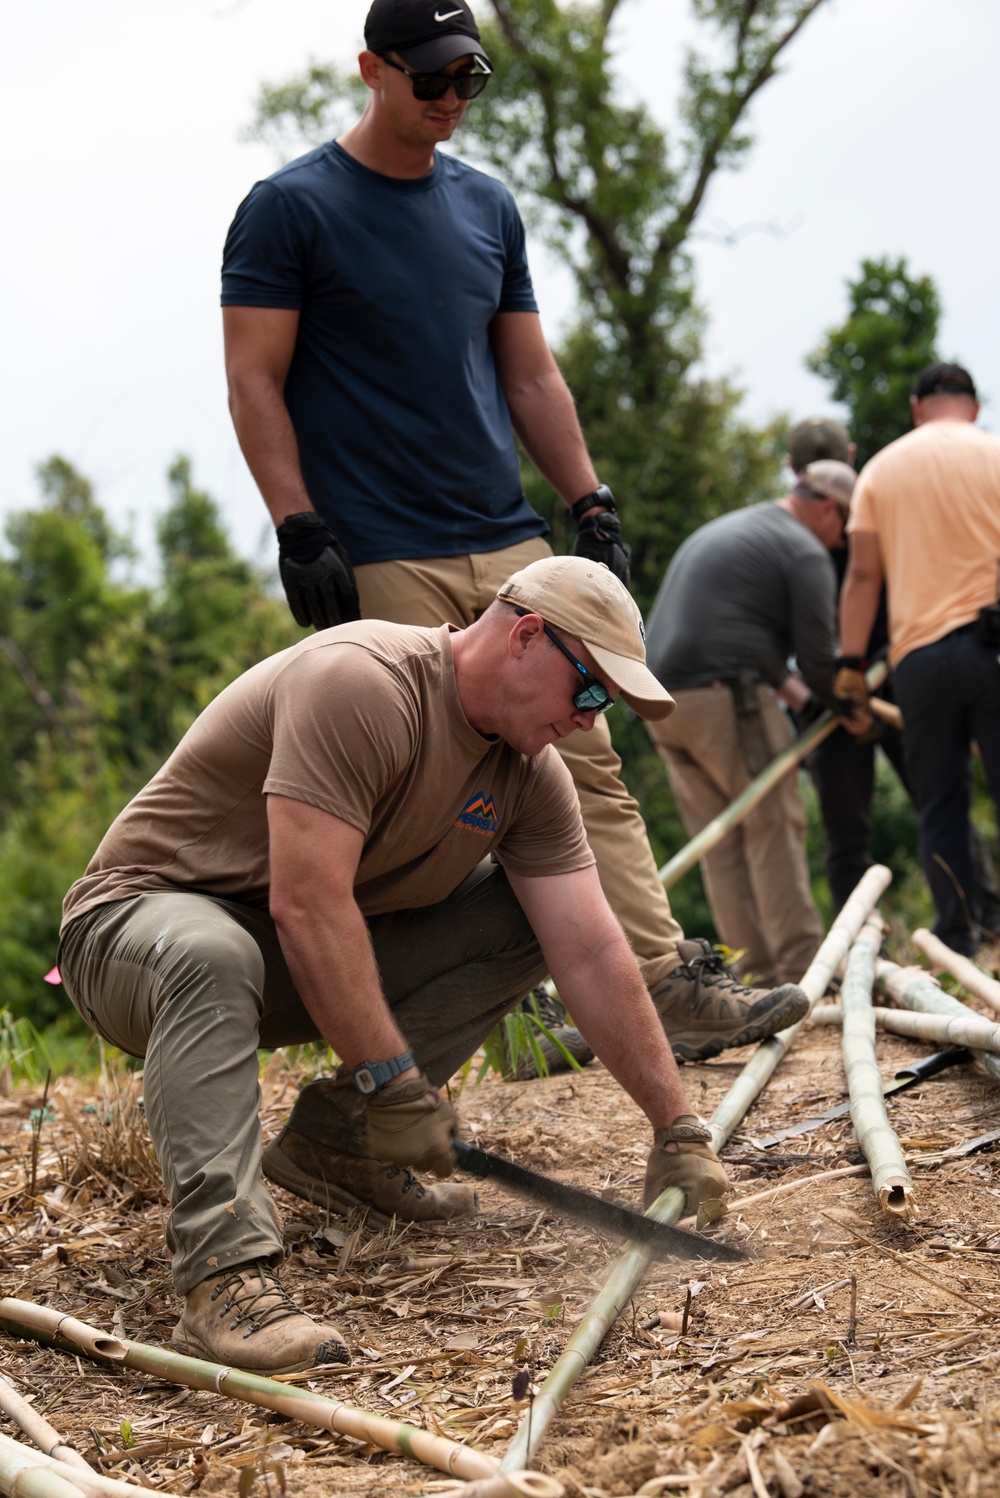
(364, 1081)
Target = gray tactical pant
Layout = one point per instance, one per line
(195, 984)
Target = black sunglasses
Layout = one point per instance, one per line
(593, 696)
(429, 86)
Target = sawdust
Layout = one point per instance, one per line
(441, 1318)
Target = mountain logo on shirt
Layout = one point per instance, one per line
(479, 814)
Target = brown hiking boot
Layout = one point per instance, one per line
(243, 1318)
(343, 1182)
(704, 1010)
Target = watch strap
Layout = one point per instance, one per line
(371, 1076)
(599, 498)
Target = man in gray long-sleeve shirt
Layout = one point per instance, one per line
(742, 595)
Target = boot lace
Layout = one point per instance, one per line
(709, 965)
(258, 1308)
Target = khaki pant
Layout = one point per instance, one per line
(757, 880)
(456, 590)
(195, 984)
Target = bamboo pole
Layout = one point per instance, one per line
(82, 1479)
(36, 1427)
(760, 1068)
(915, 989)
(891, 1180)
(971, 977)
(298, 1403)
(627, 1273)
(738, 810)
(937, 1029)
(23, 1477)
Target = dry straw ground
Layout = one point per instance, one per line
(851, 1356)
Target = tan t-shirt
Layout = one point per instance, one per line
(364, 722)
(933, 499)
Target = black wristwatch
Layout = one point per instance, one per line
(601, 497)
(371, 1076)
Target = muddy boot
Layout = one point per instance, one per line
(244, 1319)
(704, 1010)
(318, 1156)
(341, 1183)
(555, 1019)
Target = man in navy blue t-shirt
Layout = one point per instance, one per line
(383, 346)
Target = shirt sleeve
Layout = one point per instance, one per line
(262, 263)
(813, 598)
(547, 834)
(517, 293)
(341, 737)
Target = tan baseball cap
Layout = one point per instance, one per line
(830, 480)
(586, 600)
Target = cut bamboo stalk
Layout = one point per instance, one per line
(83, 1338)
(838, 941)
(43, 1325)
(36, 1427)
(24, 1477)
(891, 1180)
(937, 1029)
(627, 1273)
(971, 977)
(738, 810)
(81, 1479)
(915, 989)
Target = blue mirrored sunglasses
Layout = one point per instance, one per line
(593, 696)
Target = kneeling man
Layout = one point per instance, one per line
(366, 839)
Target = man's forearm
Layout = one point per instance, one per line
(544, 417)
(334, 971)
(267, 439)
(611, 1007)
(858, 606)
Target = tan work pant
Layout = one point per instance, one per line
(757, 879)
(195, 984)
(456, 590)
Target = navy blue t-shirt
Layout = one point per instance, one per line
(404, 434)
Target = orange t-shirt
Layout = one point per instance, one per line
(933, 499)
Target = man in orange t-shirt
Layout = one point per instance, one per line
(925, 517)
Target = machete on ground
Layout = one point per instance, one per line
(910, 1076)
(665, 1241)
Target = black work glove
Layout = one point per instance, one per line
(805, 716)
(316, 573)
(599, 539)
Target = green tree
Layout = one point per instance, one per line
(98, 680)
(872, 359)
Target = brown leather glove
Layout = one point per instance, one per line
(683, 1156)
(411, 1124)
(850, 688)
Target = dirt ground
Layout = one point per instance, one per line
(850, 1355)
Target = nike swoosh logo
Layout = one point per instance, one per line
(449, 16)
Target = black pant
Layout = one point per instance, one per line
(843, 770)
(949, 693)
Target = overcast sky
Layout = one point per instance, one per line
(121, 123)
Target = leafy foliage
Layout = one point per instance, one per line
(99, 677)
(873, 358)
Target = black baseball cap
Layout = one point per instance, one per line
(944, 379)
(427, 34)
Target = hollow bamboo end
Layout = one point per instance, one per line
(896, 1198)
